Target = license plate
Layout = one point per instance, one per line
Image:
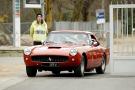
(53, 65)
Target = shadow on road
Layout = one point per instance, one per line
(67, 75)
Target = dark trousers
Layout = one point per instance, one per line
(36, 43)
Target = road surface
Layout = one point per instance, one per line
(13, 77)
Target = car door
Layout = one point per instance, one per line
(90, 58)
(100, 55)
(97, 51)
(91, 54)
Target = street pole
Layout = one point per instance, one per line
(132, 14)
(42, 8)
(117, 10)
(103, 25)
(16, 23)
(105, 33)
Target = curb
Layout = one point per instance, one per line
(12, 48)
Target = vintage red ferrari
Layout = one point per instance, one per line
(67, 50)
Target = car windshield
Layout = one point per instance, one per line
(74, 38)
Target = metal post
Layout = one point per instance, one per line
(103, 25)
(132, 23)
(16, 23)
(132, 20)
(111, 39)
(42, 8)
(102, 4)
(125, 23)
(127, 20)
(117, 22)
(122, 21)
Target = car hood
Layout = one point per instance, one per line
(54, 49)
(62, 45)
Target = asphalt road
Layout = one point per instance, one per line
(13, 77)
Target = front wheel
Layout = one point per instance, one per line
(31, 71)
(79, 71)
(102, 67)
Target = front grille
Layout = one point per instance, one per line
(49, 58)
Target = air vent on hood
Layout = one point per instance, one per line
(54, 47)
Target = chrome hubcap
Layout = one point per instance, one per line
(82, 67)
(103, 64)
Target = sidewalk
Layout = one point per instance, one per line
(7, 51)
(12, 48)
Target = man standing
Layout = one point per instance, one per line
(38, 30)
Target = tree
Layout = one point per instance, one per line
(77, 10)
(85, 9)
(49, 15)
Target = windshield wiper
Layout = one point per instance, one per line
(68, 42)
(49, 42)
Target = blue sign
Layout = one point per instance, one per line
(100, 15)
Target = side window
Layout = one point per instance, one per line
(93, 38)
(89, 41)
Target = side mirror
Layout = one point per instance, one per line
(95, 43)
(44, 42)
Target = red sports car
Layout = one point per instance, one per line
(77, 51)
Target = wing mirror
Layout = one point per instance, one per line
(95, 43)
(44, 42)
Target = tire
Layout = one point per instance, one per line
(31, 71)
(79, 71)
(56, 72)
(102, 67)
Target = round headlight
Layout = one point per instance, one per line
(27, 51)
(73, 52)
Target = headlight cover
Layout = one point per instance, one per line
(27, 51)
(73, 52)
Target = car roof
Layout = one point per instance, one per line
(72, 31)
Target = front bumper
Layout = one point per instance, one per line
(68, 63)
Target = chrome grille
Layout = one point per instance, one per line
(49, 58)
